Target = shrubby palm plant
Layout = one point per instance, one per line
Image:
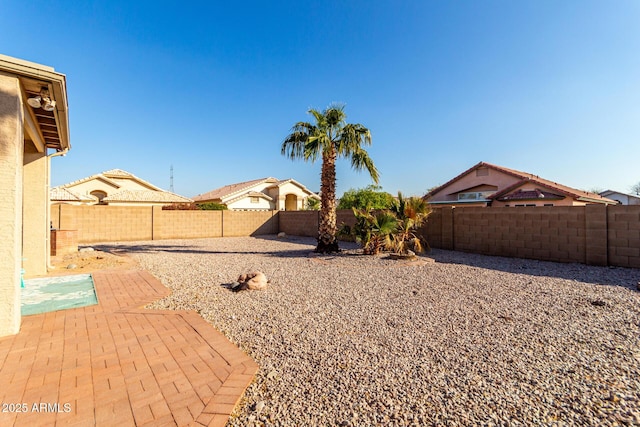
(313, 204)
(372, 230)
(411, 213)
(394, 229)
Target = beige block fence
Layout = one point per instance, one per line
(593, 234)
(128, 223)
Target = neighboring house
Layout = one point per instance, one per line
(621, 198)
(260, 194)
(489, 185)
(34, 126)
(114, 187)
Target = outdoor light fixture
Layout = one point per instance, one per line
(43, 100)
(35, 102)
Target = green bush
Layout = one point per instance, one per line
(211, 206)
(180, 207)
(370, 197)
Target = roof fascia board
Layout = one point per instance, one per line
(57, 85)
(91, 178)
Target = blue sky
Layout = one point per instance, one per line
(212, 88)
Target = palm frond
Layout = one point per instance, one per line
(313, 148)
(361, 160)
(293, 145)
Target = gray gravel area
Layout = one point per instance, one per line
(450, 339)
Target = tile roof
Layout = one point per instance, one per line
(118, 173)
(530, 195)
(151, 194)
(232, 189)
(146, 196)
(109, 177)
(554, 186)
(293, 181)
(64, 194)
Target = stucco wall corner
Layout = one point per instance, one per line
(11, 161)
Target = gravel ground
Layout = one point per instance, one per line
(450, 339)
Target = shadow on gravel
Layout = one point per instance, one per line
(612, 276)
(152, 248)
(307, 245)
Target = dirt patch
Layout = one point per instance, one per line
(86, 262)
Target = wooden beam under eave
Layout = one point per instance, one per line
(32, 129)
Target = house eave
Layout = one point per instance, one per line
(32, 77)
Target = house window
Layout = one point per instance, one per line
(99, 195)
(529, 205)
(255, 200)
(476, 195)
(548, 204)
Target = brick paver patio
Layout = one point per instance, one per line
(116, 364)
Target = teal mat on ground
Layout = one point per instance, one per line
(57, 293)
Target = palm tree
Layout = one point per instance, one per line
(330, 137)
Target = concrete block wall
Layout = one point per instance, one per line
(106, 223)
(596, 250)
(170, 224)
(299, 223)
(623, 238)
(249, 223)
(545, 233)
(593, 234)
(344, 217)
(432, 230)
(305, 223)
(126, 223)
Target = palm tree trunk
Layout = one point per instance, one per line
(327, 229)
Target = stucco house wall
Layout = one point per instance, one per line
(96, 184)
(35, 221)
(622, 198)
(245, 203)
(280, 192)
(25, 176)
(11, 161)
